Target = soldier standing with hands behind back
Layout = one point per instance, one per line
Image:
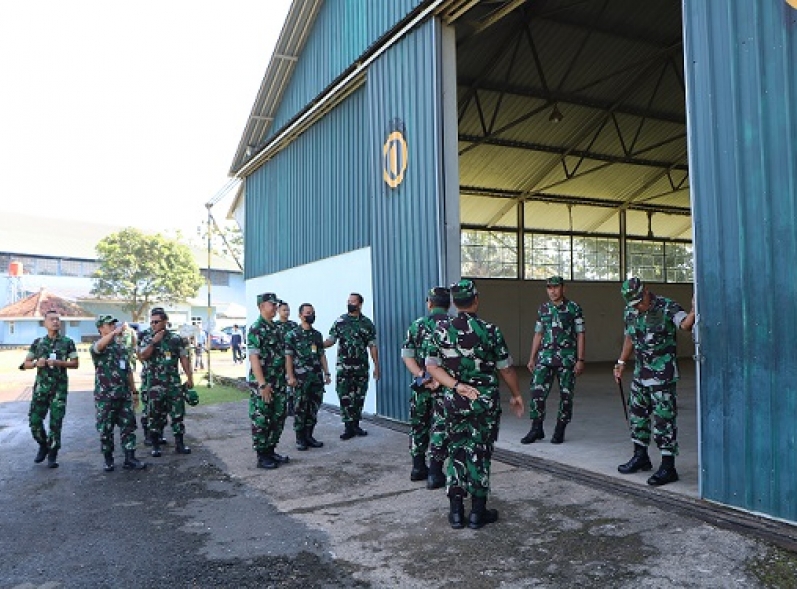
(51, 356)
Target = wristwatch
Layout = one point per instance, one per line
(262, 386)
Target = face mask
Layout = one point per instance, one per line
(310, 319)
(352, 308)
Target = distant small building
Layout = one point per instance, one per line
(21, 322)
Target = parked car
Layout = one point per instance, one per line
(219, 341)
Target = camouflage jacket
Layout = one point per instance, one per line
(559, 326)
(265, 339)
(470, 350)
(52, 379)
(163, 366)
(354, 334)
(419, 333)
(653, 335)
(306, 347)
(286, 326)
(111, 370)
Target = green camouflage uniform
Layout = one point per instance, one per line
(559, 326)
(354, 334)
(472, 351)
(112, 395)
(427, 411)
(265, 339)
(285, 328)
(653, 388)
(163, 382)
(306, 347)
(50, 389)
(144, 387)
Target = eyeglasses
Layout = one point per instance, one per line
(156, 322)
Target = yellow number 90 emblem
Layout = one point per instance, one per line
(394, 159)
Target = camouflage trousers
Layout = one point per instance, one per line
(473, 430)
(113, 412)
(656, 404)
(427, 424)
(267, 419)
(541, 384)
(144, 408)
(42, 403)
(351, 388)
(163, 403)
(308, 396)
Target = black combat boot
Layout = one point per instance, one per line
(266, 461)
(666, 473)
(559, 433)
(456, 514)
(301, 441)
(155, 437)
(639, 461)
(358, 430)
(419, 469)
(349, 432)
(436, 479)
(480, 515)
(311, 441)
(279, 458)
(131, 462)
(109, 466)
(535, 433)
(179, 445)
(41, 454)
(52, 458)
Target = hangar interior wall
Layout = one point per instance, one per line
(741, 91)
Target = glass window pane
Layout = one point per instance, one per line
(488, 254)
(546, 255)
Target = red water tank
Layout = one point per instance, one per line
(15, 269)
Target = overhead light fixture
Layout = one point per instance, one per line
(556, 114)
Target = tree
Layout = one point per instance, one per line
(142, 270)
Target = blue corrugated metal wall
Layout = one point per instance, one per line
(343, 30)
(741, 64)
(320, 180)
(404, 84)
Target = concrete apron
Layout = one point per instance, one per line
(598, 439)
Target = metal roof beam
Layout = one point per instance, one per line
(591, 155)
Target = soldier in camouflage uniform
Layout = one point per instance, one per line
(356, 336)
(650, 327)
(144, 389)
(286, 325)
(466, 355)
(267, 401)
(165, 351)
(115, 395)
(51, 356)
(307, 370)
(557, 353)
(427, 412)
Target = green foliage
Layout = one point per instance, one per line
(142, 270)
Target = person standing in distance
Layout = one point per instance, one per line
(307, 370)
(236, 340)
(557, 352)
(164, 352)
(427, 412)
(267, 401)
(466, 355)
(201, 341)
(285, 325)
(651, 324)
(356, 336)
(51, 356)
(115, 395)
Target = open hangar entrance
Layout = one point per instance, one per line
(572, 154)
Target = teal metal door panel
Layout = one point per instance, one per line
(741, 64)
(404, 105)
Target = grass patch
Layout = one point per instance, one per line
(219, 393)
(777, 569)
